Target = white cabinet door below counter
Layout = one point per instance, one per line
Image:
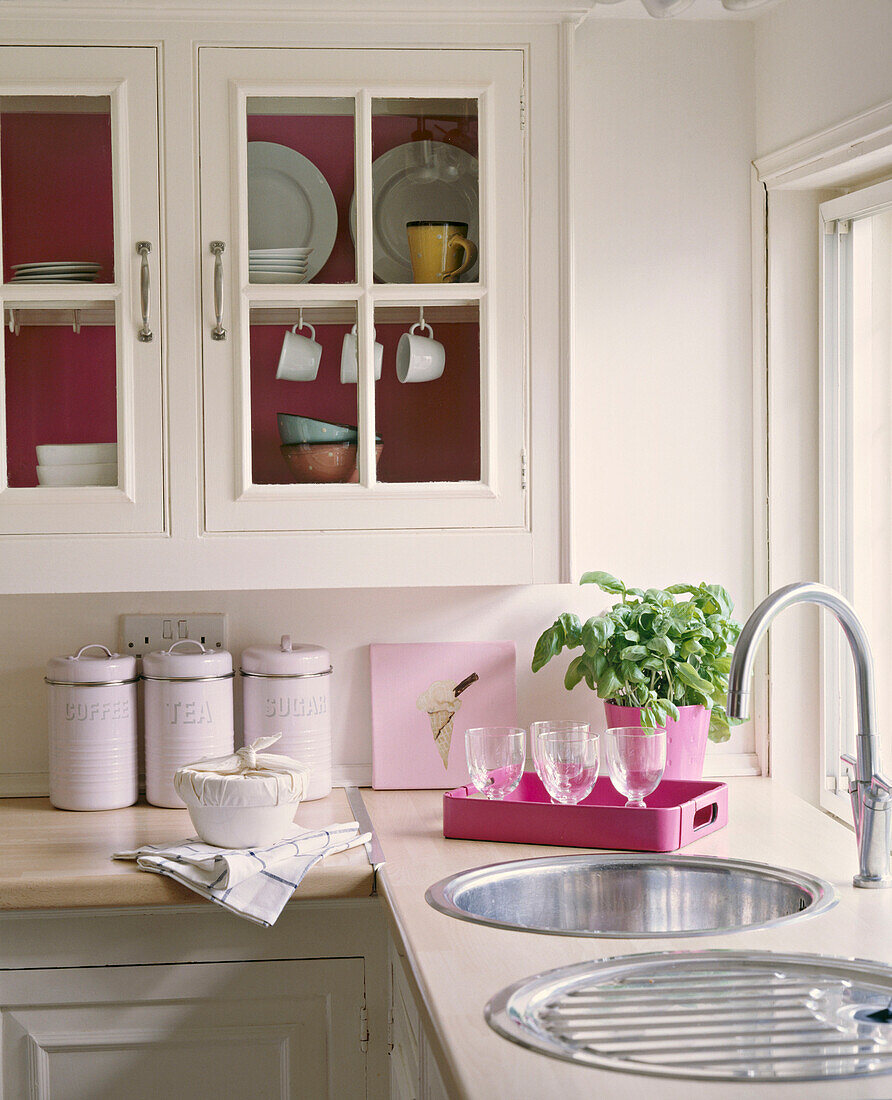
(228, 1030)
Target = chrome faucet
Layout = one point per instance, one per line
(870, 790)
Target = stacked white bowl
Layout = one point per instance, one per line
(66, 464)
(278, 265)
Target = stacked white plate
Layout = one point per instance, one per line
(278, 265)
(75, 271)
(68, 464)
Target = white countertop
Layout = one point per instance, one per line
(457, 966)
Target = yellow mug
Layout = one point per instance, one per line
(436, 250)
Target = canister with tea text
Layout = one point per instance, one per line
(92, 730)
(286, 690)
(188, 713)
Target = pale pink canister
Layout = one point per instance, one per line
(188, 713)
(92, 730)
(286, 690)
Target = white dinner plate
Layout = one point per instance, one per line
(405, 188)
(289, 200)
(279, 253)
(32, 269)
(302, 268)
(72, 277)
(276, 277)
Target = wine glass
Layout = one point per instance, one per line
(496, 755)
(567, 758)
(636, 758)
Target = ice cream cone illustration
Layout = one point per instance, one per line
(440, 702)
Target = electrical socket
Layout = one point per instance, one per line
(141, 634)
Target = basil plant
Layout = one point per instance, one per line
(651, 650)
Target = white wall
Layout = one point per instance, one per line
(663, 436)
(818, 62)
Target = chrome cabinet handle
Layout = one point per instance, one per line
(218, 332)
(144, 333)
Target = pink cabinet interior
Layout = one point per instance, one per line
(56, 176)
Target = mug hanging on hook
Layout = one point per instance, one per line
(300, 355)
(419, 358)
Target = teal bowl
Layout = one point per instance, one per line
(303, 429)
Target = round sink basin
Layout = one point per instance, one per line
(631, 896)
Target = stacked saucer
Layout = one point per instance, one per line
(56, 271)
(278, 265)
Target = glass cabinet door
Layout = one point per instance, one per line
(81, 371)
(364, 243)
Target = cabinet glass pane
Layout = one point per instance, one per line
(300, 189)
(303, 396)
(425, 183)
(428, 400)
(56, 188)
(61, 389)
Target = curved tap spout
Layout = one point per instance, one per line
(870, 801)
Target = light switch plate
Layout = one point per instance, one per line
(142, 634)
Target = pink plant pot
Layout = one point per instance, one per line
(685, 739)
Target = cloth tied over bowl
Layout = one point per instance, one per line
(248, 777)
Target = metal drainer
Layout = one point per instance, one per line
(711, 1015)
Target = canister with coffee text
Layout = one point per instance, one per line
(286, 690)
(92, 730)
(188, 713)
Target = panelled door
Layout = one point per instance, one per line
(80, 356)
(364, 250)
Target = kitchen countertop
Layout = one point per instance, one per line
(458, 966)
(59, 859)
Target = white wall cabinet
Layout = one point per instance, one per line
(79, 175)
(334, 142)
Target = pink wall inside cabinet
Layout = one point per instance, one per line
(56, 176)
(430, 430)
(60, 388)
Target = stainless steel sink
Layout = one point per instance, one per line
(743, 1016)
(631, 895)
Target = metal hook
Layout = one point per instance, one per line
(77, 322)
(14, 324)
(421, 317)
(300, 320)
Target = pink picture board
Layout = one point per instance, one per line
(419, 724)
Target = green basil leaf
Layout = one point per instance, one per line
(575, 672)
(609, 685)
(572, 628)
(604, 581)
(548, 646)
(689, 675)
(662, 646)
(633, 653)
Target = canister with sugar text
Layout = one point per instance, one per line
(286, 690)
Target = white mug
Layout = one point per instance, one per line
(419, 358)
(300, 356)
(349, 368)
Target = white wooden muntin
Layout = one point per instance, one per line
(188, 713)
(92, 730)
(286, 689)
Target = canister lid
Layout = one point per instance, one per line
(177, 663)
(286, 659)
(91, 668)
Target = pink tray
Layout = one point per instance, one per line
(678, 812)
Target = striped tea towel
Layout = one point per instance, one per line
(255, 883)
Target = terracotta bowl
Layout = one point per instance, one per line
(323, 463)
